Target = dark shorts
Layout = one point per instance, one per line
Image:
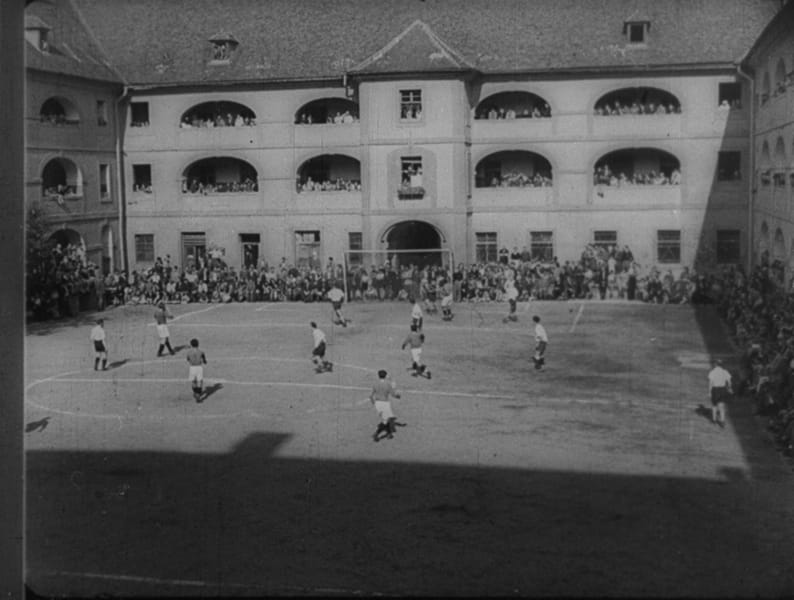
(541, 348)
(336, 305)
(99, 346)
(319, 350)
(718, 395)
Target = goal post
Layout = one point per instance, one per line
(397, 259)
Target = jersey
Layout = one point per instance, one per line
(335, 294)
(97, 334)
(416, 312)
(719, 378)
(196, 357)
(319, 337)
(161, 316)
(540, 333)
(414, 340)
(382, 390)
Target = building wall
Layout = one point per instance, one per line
(772, 66)
(87, 145)
(450, 143)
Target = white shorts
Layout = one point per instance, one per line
(384, 410)
(416, 355)
(162, 331)
(446, 301)
(196, 372)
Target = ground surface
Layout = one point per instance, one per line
(599, 476)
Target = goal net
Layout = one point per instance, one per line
(371, 261)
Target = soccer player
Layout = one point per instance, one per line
(318, 352)
(100, 351)
(196, 359)
(161, 317)
(719, 389)
(446, 300)
(335, 295)
(416, 314)
(541, 341)
(414, 340)
(511, 293)
(382, 390)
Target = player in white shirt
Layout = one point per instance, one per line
(100, 350)
(318, 352)
(446, 300)
(336, 296)
(719, 389)
(416, 314)
(541, 341)
(511, 293)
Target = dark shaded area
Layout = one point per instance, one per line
(39, 425)
(249, 522)
(418, 235)
(211, 389)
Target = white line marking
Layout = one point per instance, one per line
(189, 314)
(578, 315)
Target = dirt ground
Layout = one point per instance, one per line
(600, 476)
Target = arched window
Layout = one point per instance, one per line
(329, 173)
(637, 101)
(219, 175)
(780, 77)
(513, 168)
(765, 88)
(218, 114)
(512, 105)
(779, 176)
(765, 165)
(61, 179)
(638, 166)
(327, 110)
(59, 111)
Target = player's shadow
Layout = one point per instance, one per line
(179, 348)
(39, 425)
(211, 389)
(118, 363)
(704, 411)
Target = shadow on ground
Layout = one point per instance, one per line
(251, 522)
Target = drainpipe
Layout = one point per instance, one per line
(750, 241)
(118, 128)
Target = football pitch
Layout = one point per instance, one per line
(601, 475)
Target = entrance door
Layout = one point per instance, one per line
(194, 249)
(250, 249)
(415, 235)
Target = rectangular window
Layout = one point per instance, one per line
(605, 239)
(729, 166)
(485, 249)
(779, 179)
(144, 248)
(104, 183)
(668, 246)
(730, 95)
(542, 245)
(410, 105)
(101, 113)
(729, 248)
(142, 178)
(766, 177)
(636, 33)
(139, 114)
(411, 182)
(194, 249)
(249, 243)
(355, 242)
(307, 249)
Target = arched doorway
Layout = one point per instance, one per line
(414, 235)
(69, 237)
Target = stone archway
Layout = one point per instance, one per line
(414, 235)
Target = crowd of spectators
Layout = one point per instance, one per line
(636, 107)
(329, 185)
(219, 119)
(518, 179)
(58, 119)
(759, 312)
(194, 186)
(536, 111)
(336, 118)
(603, 175)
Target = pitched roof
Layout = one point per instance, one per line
(165, 42)
(416, 49)
(72, 47)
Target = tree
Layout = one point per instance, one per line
(40, 264)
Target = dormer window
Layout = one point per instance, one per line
(223, 46)
(636, 31)
(37, 33)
